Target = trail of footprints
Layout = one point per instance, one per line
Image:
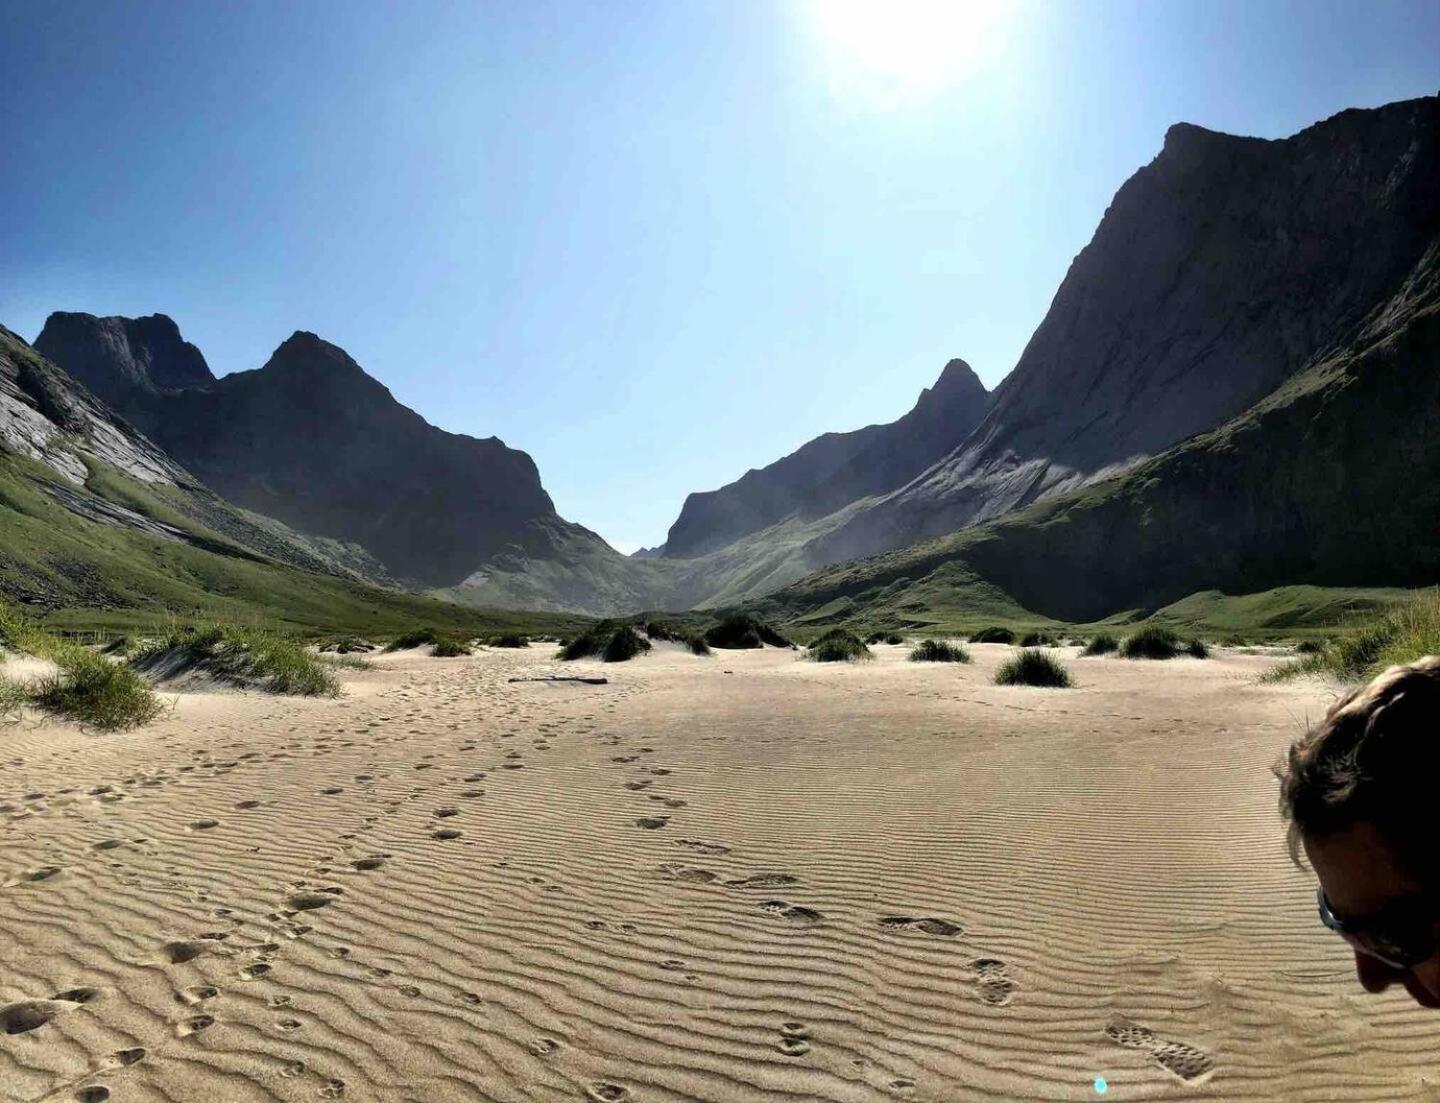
(990, 978)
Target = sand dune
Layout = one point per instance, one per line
(741, 878)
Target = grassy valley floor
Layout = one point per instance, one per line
(743, 877)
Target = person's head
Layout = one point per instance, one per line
(1360, 793)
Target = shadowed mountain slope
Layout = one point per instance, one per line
(834, 470)
(1221, 269)
(98, 527)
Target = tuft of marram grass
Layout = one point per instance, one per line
(510, 640)
(939, 651)
(1103, 644)
(994, 634)
(1151, 643)
(13, 696)
(417, 637)
(1032, 667)
(697, 645)
(743, 631)
(87, 688)
(624, 644)
(448, 647)
(91, 690)
(1197, 649)
(244, 656)
(1403, 635)
(838, 645)
(1039, 639)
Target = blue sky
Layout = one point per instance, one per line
(652, 244)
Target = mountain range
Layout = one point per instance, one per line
(1231, 372)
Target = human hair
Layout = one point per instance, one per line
(1375, 758)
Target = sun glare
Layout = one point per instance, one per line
(903, 48)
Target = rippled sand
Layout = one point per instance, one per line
(739, 878)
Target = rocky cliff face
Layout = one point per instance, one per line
(116, 357)
(834, 470)
(1220, 270)
(312, 440)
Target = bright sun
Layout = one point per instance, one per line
(905, 47)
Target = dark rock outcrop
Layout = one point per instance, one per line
(834, 470)
(116, 357)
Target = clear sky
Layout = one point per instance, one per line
(651, 243)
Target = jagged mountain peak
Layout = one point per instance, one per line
(115, 355)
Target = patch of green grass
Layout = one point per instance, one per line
(1408, 632)
(1152, 642)
(994, 634)
(742, 631)
(892, 638)
(246, 657)
(1039, 639)
(1032, 668)
(838, 645)
(939, 651)
(1102, 644)
(347, 645)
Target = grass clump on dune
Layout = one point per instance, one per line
(1032, 668)
(1039, 639)
(742, 631)
(90, 689)
(87, 687)
(994, 634)
(510, 640)
(892, 638)
(417, 637)
(608, 641)
(939, 651)
(1403, 635)
(1151, 643)
(347, 645)
(1103, 644)
(448, 647)
(245, 657)
(838, 645)
(697, 645)
(1197, 649)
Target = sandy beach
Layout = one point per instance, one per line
(746, 877)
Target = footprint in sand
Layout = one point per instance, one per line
(446, 813)
(930, 925)
(34, 876)
(204, 825)
(993, 980)
(309, 901)
(197, 994)
(1181, 1060)
(28, 1015)
(603, 1091)
(76, 995)
(128, 1057)
(194, 1025)
(692, 874)
(255, 970)
(702, 847)
(178, 953)
(763, 881)
(795, 913)
(445, 834)
(652, 823)
(543, 1047)
(794, 1039)
(375, 861)
(94, 1093)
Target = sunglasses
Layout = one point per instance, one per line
(1402, 941)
